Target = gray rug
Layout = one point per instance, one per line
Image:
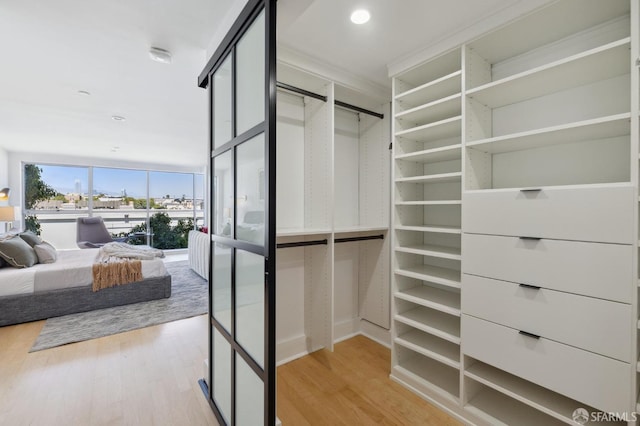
(189, 297)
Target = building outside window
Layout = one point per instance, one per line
(151, 207)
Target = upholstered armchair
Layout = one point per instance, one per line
(91, 232)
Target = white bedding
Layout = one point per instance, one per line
(72, 269)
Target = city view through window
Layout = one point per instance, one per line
(148, 207)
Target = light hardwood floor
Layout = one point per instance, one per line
(350, 386)
(149, 377)
(142, 377)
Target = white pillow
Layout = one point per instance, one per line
(46, 252)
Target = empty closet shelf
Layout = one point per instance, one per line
(442, 129)
(431, 250)
(434, 155)
(437, 178)
(433, 111)
(597, 64)
(431, 297)
(429, 376)
(428, 92)
(587, 130)
(442, 229)
(540, 398)
(434, 274)
(433, 322)
(430, 346)
(429, 203)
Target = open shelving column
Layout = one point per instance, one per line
(427, 174)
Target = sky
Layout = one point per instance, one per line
(66, 179)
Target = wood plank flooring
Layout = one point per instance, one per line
(149, 377)
(350, 386)
(142, 377)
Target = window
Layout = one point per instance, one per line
(155, 208)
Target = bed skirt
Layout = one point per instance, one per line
(47, 304)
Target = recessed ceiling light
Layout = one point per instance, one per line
(360, 16)
(84, 93)
(160, 55)
(118, 118)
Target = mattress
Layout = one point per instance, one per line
(72, 269)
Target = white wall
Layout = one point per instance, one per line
(225, 25)
(4, 168)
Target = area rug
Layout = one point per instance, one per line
(189, 297)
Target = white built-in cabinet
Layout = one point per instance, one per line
(333, 183)
(515, 219)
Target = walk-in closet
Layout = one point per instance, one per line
(333, 214)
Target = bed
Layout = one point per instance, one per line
(65, 287)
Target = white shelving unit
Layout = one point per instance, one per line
(427, 227)
(335, 288)
(545, 104)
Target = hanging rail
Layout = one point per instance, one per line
(302, 243)
(304, 92)
(300, 91)
(365, 238)
(358, 109)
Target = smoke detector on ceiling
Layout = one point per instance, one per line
(160, 55)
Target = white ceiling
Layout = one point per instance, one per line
(52, 49)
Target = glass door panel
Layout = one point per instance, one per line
(221, 285)
(241, 387)
(222, 204)
(250, 208)
(250, 304)
(222, 368)
(222, 104)
(251, 77)
(249, 395)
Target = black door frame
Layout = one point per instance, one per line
(268, 127)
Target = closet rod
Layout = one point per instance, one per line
(301, 91)
(304, 92)
(302, 243)
(351, 239)
(358, 109)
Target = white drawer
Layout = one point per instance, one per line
(595, 325)
(603, 214)
(595, 380)
(589, 269)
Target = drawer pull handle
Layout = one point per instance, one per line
(531, 190)
(533, 287)
(533, 336)
(530, 238)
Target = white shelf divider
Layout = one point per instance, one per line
(434, 298)
(432, 90)
(441, 325)
(544, 400)
(444, 153)
(434, 274)
(441, 229)
(430, 346)
(435, 178)
(427, 376)
(429, 203)
(597, 64)
(497, 409)
(598, 128)
(432, 250)
(443, 129)
(440, 109)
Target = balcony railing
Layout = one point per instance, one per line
(58, 227)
